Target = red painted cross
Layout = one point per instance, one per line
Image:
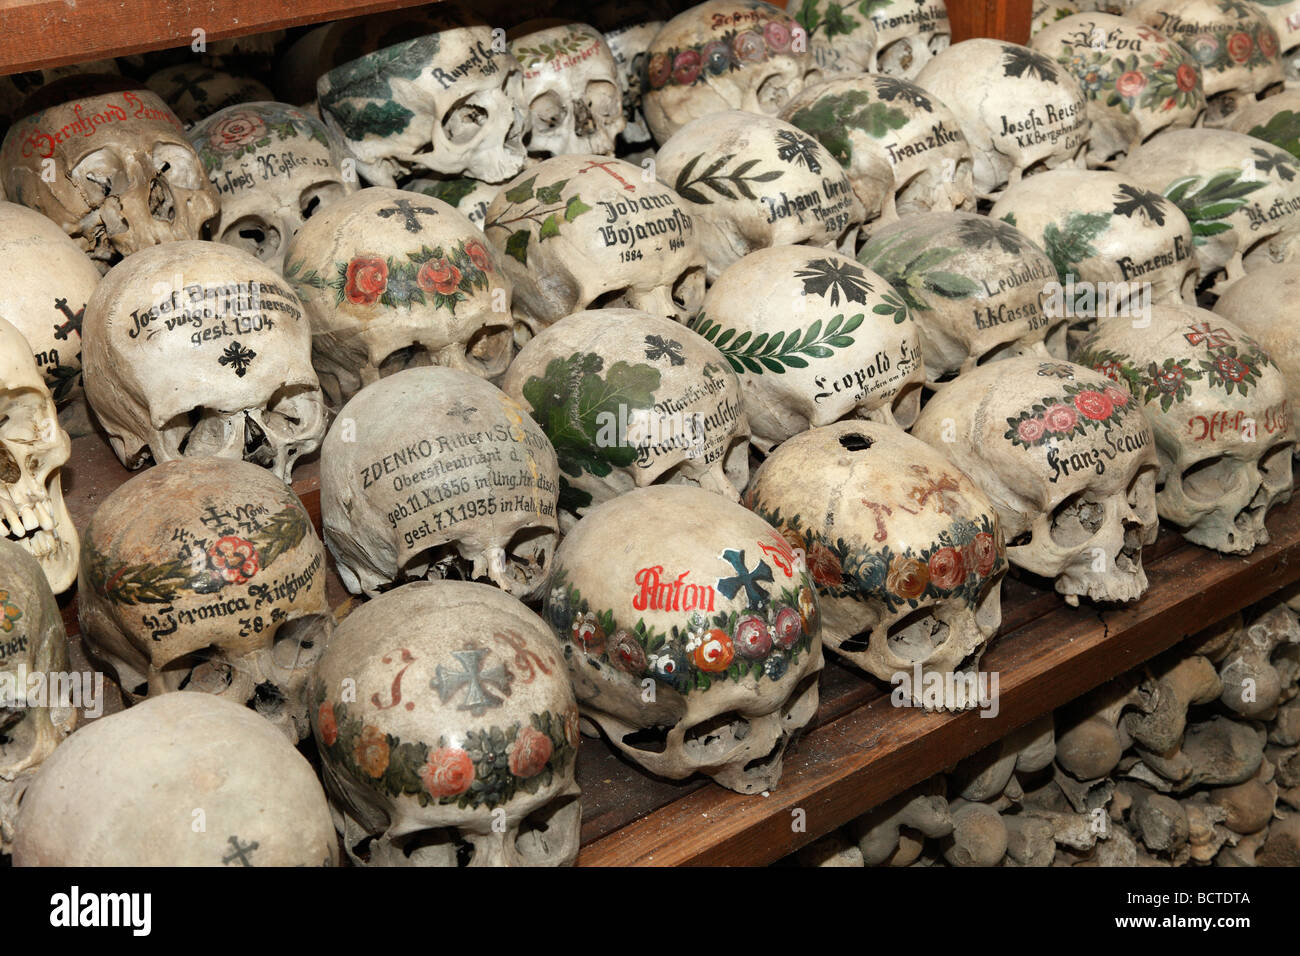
(1213, 338)
(605, 166)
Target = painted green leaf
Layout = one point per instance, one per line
(551, 194)
(522, 192)
(517, 246)
(574, 208)
(550, 227)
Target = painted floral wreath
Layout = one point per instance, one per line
(1081, 408)
(734, 50)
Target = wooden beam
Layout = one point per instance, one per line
(1000, 19)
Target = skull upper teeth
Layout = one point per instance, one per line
(31, 523)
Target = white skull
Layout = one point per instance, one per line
(274, 166)
(1241, 196)
(1020, 111)
(124, 175)
(1138, 81)
(903, 150)
(33, 451)
(906, 552)
(389, 279)
(722, 55)
(17, 88)
(1221, 414)
(909, 33)
(33, 641)
(714, 608)
(128, 790)
(630, 45)
(217, 587)
(444, 99)
(571, 85)
(434, 471)
(578, 232)
(475, 767)
(814, 338)
(755, 181)
(195, 91)
(45, 283)
(842, 39)
(629, 399)
(470, 197)
(975, 286)
(1069, 462)
(1232, 41)
(195, 349)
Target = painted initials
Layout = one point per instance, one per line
(396, 690)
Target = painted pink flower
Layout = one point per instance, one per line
(777, 35)
(1060, 418)
(531, 750)
(448, 773)
(753, 638)
(1130, 84)
(947, 568)
(686, 67)
(1030, 430)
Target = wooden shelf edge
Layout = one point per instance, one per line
(844, 768)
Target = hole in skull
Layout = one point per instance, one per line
(299, 642)
(688, 291)
(488, 349)
(253, 235)
(464, 120)
(651, 740)
(917, 636)
(613, 299)
(858, 643)
(267, 700)
(1076, 520)
(856, 442)
(896, 57)
(759, 763)
(318, 195)
(548, 111)
(773, 93)
(410, 356)
(206, 671)
(361, 849)
(178, 166)
(997, 353)
(1212, 479)
(720, 732)
(1275, 467)
(438, 846)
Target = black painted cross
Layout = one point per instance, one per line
(240, 853)
(219, 521)
(62, 331)
(744, 578)
(605, 167)
(474, 679)
(411, 214)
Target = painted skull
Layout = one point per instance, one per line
(977, 288)
(1273, 119)
(1069, 462)
(196, 349)
(840, 38)
(124, 176)
(1138, 81)
(448, 731)
(580, 232)
(217, 585)
(1020, 111)
(909, 33)
(195, 92)
(1222, 418)
(695, 649)
(755, 181)
(905, 550)
(572, 89)
(392, 279)
(629, 42)
(814, 338)
(470, 197)
(722, 55)
(629, 399)
(275, 166)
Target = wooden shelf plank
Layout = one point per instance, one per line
(1002, 19)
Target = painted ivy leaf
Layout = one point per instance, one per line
(549, 228)
(551, 194)
(522, 192)
(517, 246)
(450, 191)
(574, 208)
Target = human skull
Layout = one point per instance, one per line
(572, 88)
(132, 788)
(1261, 306)
(475, 766)
(45, 283)
(17, 88)
(391, 279)
(814, 338)
(1241, 196)
(905, 550)
(470, 197)
(976, 287)
(434, 471)
(1284, 18)
(1138, 81)
(33, 641)
(629, 399)
(124, 175)
(1069, 462)
(1222, 419)
(1117, 247)
(1232, 41)
(1044, 13)
(753, 181)
(195, 349)
(1019, 110)
(903, 150)
(578, 232)
(274, 166)
(909, 33)
(629, 42)
(444, 99)
(1273, 119)
(840, 38)
(216, 586)
(195, 92)
(718, 56)
(710, 674)
(33, 451)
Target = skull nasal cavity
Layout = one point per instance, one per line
(9, 470)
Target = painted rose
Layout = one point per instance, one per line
(1230, 368)
(777, 35)
(438, 275)
(1169, 380)
(717, 57)
(626, 652)
(371, 751)
(587, 633)
(807, 610)
(236, 131)
(907, 577)
(234, 559)
(1267, 41)
(1094, 405)
(716, 652)
(1119, 397)
(981, 554)
(947, 568)
(531, 750)
(658, 69)
(327, 724)
(1239, 47)
(753, 637)
(367, 278)
(686, 67)
(1186, 77)
(749, 47)
(1204, 47)
(1130, 84)
(448, 773)
(1060, 418)
(478, 255)
(1030, 430)
(787, 627)
(824, 566)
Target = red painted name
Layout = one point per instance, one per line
(658, 594)
(42, 143)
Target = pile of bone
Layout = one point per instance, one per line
(1194, 760)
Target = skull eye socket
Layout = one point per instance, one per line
(254, 235)
(549, 111)
(1076, 520)
(316, 197)
(99, 175)
(465, 120)
(773, 93)
(1209, 481)
(938, 42)
(1275, 466)
(178, 166)
(24, 418)
(688, 291)
(604, 99)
